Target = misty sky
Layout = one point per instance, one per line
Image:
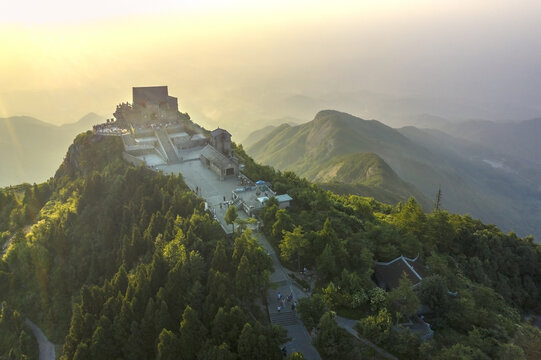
(247, 63)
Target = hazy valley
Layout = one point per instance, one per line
(30, 150)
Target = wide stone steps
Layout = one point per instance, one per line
(163, 138)
(283, 318)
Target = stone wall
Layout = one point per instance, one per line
(132, 159)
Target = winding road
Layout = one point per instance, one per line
(46, 348)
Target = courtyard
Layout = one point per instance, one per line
(206, 183)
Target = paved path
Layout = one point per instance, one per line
(300, 339)
(46, 348)
(348, 325)
(6, 245)
(207, 185)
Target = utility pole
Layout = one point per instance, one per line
(438, 199)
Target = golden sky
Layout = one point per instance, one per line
(234, 61)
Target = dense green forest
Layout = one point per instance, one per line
(114, 261)
(481, 284)
(123, 262)
(16, 339)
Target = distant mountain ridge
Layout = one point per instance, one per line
(469, 185)
(514, 141)
(512, 146)
(31, 149)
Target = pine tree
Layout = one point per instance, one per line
(294, 244)
(168, 346)
(192, 334)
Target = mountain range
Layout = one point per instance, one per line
(30, 149)
(513, 146)
(519, 139)
(348, 154)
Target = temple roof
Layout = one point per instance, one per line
(283, 198)
(388, 274)
(219, 131)
(216, 157)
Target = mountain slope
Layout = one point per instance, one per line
(32, 149)
(366, 174)
(257, 135)
(124, 262)
(331, 133)
(105, 267)
(469, 185)
(83, 123)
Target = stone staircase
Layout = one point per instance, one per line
(283, 318)
(286, 316)
(237, 202)
(163, 138)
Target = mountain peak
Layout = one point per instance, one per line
(88, 120)
(334, 114)
(91, 116)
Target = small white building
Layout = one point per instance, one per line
(284, 200)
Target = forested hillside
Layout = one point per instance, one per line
(16, 339)
(481, 281)
(366, 174)
(123, 262)
(113, 261)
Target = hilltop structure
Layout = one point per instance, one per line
(220, 139)
(151, 105)
(217, 154)
(157, 135)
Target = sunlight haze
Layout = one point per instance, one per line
(252, 62)
(279, 179)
